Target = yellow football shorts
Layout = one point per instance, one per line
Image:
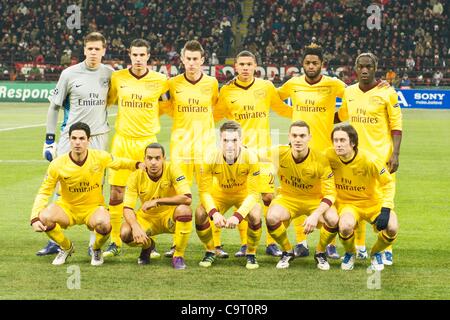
(154, 223)
(78, 215)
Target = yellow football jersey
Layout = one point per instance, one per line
(315, 104)
(309, 179)
(239, 178)
(375, 115)
(137, 101)
(81, 184)
(363, 181)
(249, 104)
(191, 105)
(141, 186)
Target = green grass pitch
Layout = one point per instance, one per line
(421, 265)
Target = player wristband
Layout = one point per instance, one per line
(50, 138)
(238, 216)
(211, 213)
(34, 220)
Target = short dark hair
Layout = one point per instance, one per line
(299, 123)
(155, 145)
(245, 53)
(80, 126)
(140, 43)
(351, 132)
(369, 55)
(314, 50)
(231, 126)
(94, 36)
(193, 45)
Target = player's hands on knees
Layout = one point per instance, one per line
(149, 205)
(49, 150)
(311, 223)
(38, 226)
(219, 220)
(232, 222)
(383, 219)
(139, 236)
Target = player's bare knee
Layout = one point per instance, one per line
(200, 215)
(346, 228)
(125, 233)
(331, 219)
(392, 228)
(183, 213)
(254, 216)
(272, 219)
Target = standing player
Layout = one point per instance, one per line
(165, 197)
(313, 101)
(229, 178)
(365, 191)
(248, 100)
(136, 91)
(306, 188)
(80, 174)
(82, 92)
(376, 115)
(192, 97)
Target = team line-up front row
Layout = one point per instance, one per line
(336, 190)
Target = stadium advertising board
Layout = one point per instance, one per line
(25, 91)
(40, 91)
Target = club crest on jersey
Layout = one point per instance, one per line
(308, 173)
(95, 169)
(376, 100)
(104, 82)
(324, 91)
(165, 184)
(359, 172)
(243, 172)
(151, 86)
(55, 92)
(260, 94)
(205, 89)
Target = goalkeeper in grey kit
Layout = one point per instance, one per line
(81, 91)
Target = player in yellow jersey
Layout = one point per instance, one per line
(248, 101)
(165, 198)
(313, 98)
(306, 188)
(192, 97)
(229, 178)
(365, 191)
(376, 115)
(136, 92)
(80, 174)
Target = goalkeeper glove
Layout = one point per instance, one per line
(383, 218)
(49, 151)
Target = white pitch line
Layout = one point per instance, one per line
(38, 125)
(23, 161)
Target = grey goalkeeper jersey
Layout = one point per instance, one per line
(82, 93)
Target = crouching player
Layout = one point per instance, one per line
(80, 174)
(306, 188)
(165, 198)
(365, 191)
(229, 178)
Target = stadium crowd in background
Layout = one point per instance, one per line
(412, 40)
